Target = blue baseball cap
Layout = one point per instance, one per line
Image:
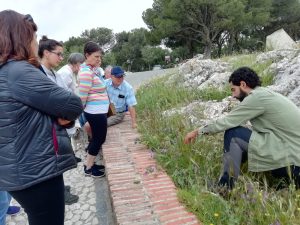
(117, 71)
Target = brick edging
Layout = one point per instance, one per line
(140, 192)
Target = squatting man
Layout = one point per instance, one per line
(273, 144)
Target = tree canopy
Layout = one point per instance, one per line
(189, 27)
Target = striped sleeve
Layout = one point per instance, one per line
(85, 84)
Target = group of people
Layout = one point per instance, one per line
(39, 108)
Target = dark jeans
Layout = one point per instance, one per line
(287, 174)
(235, 149)
(235, 152)
(98, 123)
(44, 202)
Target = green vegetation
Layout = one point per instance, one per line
(218, 27)
(188, 27)
(195, 168)
(259, 67)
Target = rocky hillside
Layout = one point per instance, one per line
(202, 74)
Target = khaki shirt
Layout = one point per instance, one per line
(275, 139)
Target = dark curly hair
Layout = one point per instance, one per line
(247, 75)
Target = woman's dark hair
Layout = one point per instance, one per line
(16, 35)
(91, 47)
(247, 75)
(47, 44)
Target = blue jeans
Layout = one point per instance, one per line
(4, 203)
(235, 149)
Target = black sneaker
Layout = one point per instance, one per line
(226, 181)
(67, 188)
(99, 167)
(70, 198)
(78, 159)
(93, 172)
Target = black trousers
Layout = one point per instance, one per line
(98, 123)
(44, 202)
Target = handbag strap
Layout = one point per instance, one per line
(54, 137)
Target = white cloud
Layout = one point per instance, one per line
(61, 19)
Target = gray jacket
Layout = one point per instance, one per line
(30, 104)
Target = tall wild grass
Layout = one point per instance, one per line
(195, 168)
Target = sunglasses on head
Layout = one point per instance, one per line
(28, 18)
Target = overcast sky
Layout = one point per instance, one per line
(61, 19)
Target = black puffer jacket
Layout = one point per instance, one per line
(30, 103)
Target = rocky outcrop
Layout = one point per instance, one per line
(208, 110)
(287, 77)
(201, 74)
(279, 40)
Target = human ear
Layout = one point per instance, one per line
(243, 84)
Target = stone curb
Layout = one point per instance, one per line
(141, 192)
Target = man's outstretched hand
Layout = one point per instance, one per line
(191, 137)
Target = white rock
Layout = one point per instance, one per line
(95, 221)
(85, 215)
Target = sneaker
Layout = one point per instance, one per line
(226, 181)
(13, 210)
(93, 172)
(99, 167)
(70, 198)
(67, 188)
(78, 159)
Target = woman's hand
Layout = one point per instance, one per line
(63, 122)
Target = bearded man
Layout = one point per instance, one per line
(273, 144)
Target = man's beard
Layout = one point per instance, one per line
(241, 96)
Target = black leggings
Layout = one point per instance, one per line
(98, 123)
(44, 202)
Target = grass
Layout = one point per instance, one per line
(250, 61)
(194, 168)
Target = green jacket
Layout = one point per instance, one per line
(275, 139)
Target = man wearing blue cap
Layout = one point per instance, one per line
(121, 94)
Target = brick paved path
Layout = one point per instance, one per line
(140, 192)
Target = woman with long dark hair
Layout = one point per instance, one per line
(35, 148)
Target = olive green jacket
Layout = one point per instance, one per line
(275, 139)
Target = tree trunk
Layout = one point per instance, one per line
(189, 46)
(220, 50)
(230, 44)
(207, 50)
